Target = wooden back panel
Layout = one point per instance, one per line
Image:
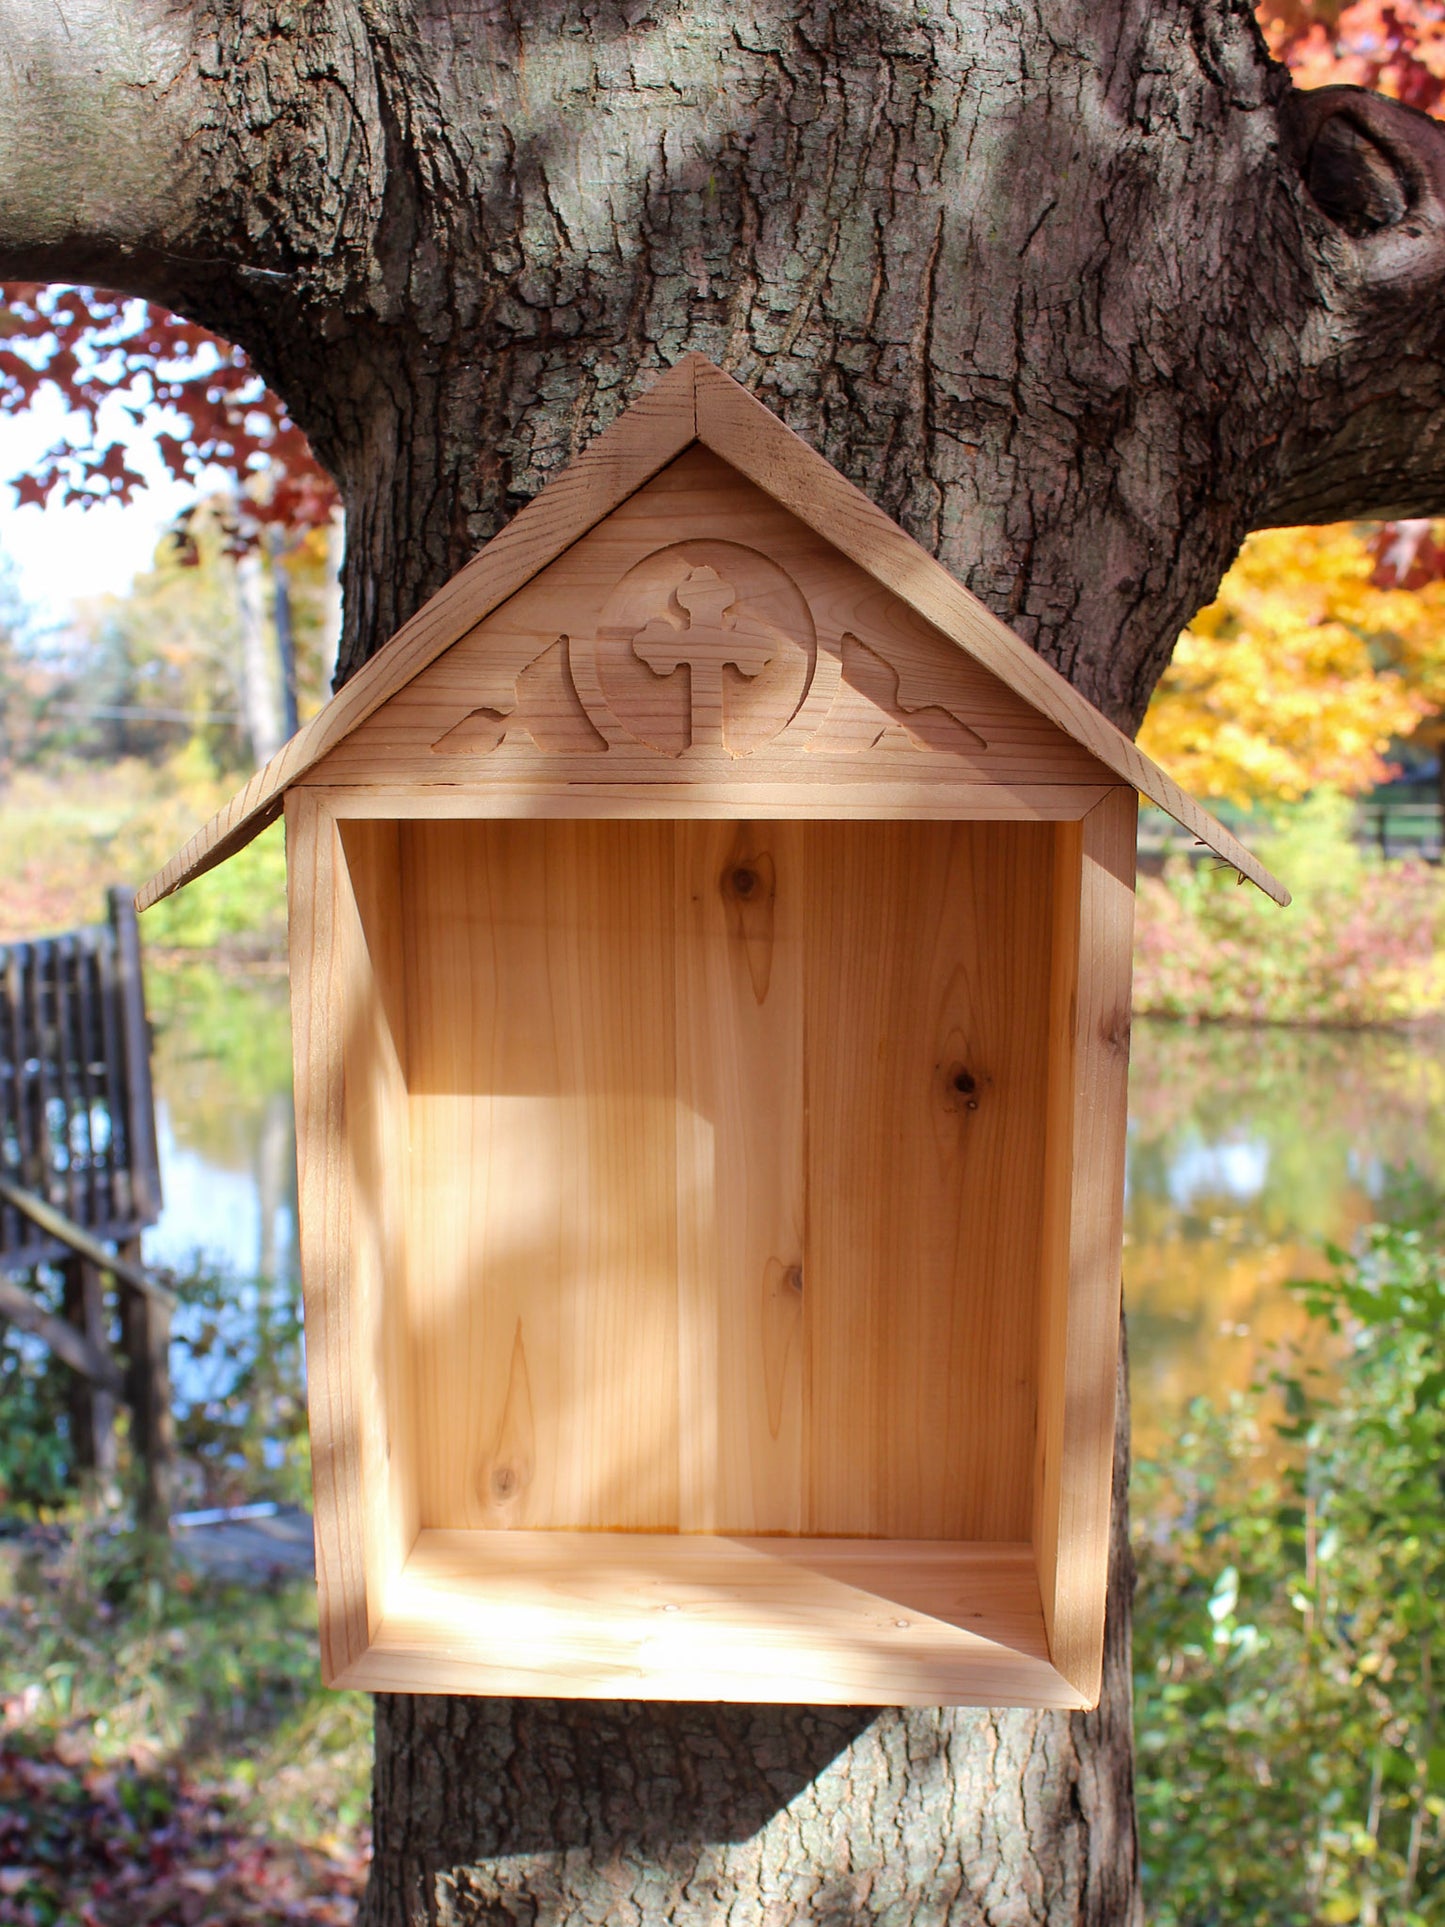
(726, 1173)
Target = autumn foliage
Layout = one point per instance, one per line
(1319, 653)
(1323, 646)
(111, 360)
(1396, 49)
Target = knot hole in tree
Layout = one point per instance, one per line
(1354, 179)
(749, 884)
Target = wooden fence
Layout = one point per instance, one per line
(79, 1171)
(77, 1115)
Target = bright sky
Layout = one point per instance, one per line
(59, 556)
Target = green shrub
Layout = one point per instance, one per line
(1360, 944)
(239, 1391)
(35, 1450)
(238, 1402)
(1290, 1625)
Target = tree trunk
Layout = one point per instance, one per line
(495, 1813)
(1079, 293)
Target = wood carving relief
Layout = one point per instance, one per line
(701, 645)
(543, 710)
(705, 647)
(870, 711)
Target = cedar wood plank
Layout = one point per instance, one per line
(1083, 1232)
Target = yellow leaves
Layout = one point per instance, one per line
(1301, 672)
(1341, 1908)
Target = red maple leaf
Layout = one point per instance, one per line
(95, 348)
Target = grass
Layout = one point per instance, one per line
(70, 833)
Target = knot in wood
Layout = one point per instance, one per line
(1353, 180)
(960, 1088)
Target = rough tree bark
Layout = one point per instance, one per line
(1080, 292)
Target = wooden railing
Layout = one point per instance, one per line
(79, 1173)
(1395, 830)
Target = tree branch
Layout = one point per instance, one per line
(1368, 435)
(98, 99)
(212, 155)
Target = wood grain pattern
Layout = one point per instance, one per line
(695, 402)
(926, 996)
(694, 1617)
(1083, 1228)
(843, 684)
(542, 1242)
(726, 1153)
(741, 1196)
(352, 1168)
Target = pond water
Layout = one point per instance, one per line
(1248, 1149)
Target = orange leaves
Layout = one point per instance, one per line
(1396, 47)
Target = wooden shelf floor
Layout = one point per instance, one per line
(700, 1617)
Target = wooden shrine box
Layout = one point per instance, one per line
(710, 947)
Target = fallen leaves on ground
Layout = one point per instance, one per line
(114, 1846)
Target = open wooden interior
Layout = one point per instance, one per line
(690, 1231)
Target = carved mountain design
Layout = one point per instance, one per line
(546, 712)
(871, 711)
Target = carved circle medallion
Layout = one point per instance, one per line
(701, 645)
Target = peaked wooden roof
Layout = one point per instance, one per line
(694, 402)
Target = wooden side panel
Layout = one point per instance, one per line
(740, 904)
(1083, 1229)
(927, 983)
(351, 1124)
(544, 1197)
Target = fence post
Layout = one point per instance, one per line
(92, 1408)
(146, 1325)
(140, 1121)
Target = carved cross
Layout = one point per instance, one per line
(707, 647)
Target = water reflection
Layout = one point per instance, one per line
(225, 1125)
(1247, 1150)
